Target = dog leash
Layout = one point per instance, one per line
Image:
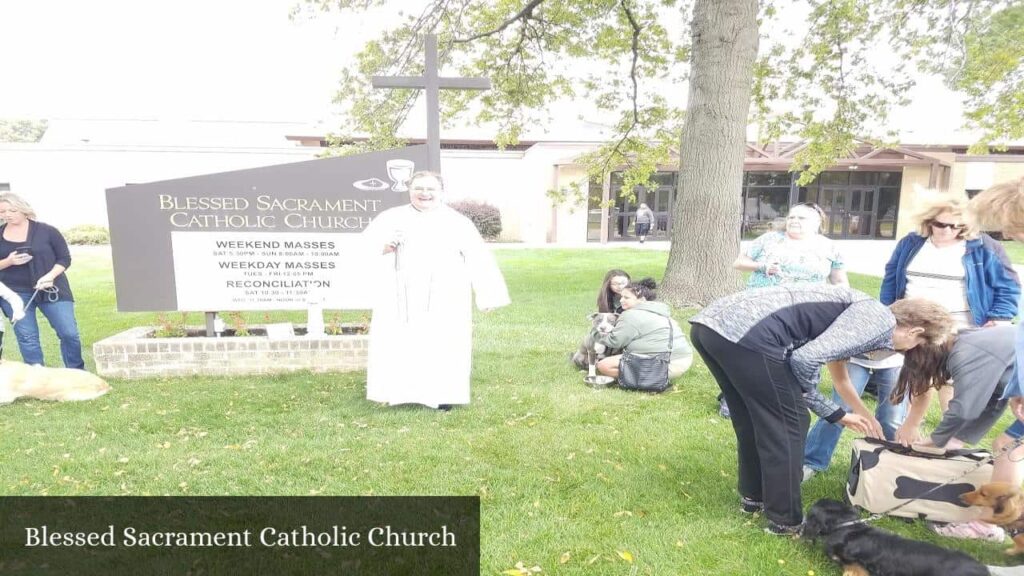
(51, 292)
(991, 459)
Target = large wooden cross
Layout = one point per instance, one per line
(432, 83)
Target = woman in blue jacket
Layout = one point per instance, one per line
(945, 261)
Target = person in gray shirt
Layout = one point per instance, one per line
(980, 363)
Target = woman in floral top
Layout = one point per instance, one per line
(797, 255)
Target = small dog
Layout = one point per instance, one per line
(591, 350)
(19, 380)
(863, 550)
(1007, 504)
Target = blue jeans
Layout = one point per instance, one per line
(823, 437)
(61, 315)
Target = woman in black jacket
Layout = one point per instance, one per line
(33, 258)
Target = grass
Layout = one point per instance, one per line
(574, 480)
(1015, 250)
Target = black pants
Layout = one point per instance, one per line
(642, 228)
(770, 420)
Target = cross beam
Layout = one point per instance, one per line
(432, 83)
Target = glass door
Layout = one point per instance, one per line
(849, 211)
(860, 212)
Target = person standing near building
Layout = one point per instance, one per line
(644, 219)
(429, 262)
(33, 258)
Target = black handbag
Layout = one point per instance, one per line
(646, 372)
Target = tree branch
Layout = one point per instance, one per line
(525, 14)
(635, 47)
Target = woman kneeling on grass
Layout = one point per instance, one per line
(643, 328)
(766, 348)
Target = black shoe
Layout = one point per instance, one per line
(750, 506)
(783, 530)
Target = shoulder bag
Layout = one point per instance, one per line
(646, 372)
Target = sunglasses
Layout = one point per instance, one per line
(947, 225)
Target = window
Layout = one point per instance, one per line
(765, 201)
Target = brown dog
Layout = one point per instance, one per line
(19, 380)
(1007, 504)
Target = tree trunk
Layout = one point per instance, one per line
(708, 209)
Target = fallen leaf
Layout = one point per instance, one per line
(565, 558)
(625, 555)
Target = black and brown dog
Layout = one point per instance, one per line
(864, 550)
(1007, 509)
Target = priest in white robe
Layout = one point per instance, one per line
(429, 260)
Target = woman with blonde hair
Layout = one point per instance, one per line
(947, 260)
(33, 259)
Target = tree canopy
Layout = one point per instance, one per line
(828, 72)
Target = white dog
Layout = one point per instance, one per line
(18, 380)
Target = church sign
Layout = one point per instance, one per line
(271, 238)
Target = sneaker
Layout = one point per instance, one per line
(973, 530)
(782, 530)
(750, 506)
(723, 409)
(808, 473)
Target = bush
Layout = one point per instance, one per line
(87, 234)
(486, 217)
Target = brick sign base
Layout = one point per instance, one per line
(136, 353)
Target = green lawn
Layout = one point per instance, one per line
(1015, 250)
(572, 480)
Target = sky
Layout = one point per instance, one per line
(208, 59)
(222, 60)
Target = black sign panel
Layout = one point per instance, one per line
(269, 238)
